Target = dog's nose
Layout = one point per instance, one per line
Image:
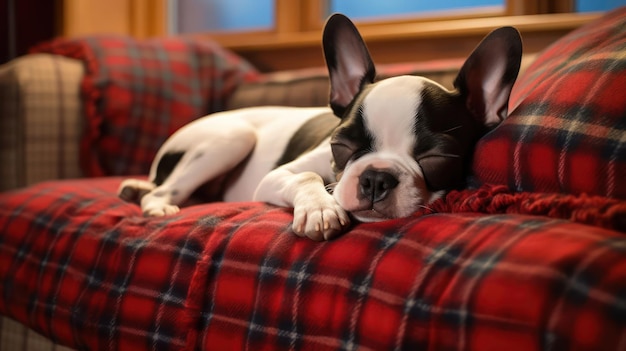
(376, 185)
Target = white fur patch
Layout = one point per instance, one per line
(390, 110)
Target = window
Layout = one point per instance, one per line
(218, 15)
(285, 34)
(374, 9)
(196, 16)
(597, 5)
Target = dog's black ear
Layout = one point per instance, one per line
(488, 74)
(349, 63)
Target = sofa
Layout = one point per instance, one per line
(530, 256)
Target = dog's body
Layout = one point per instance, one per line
(385, 149)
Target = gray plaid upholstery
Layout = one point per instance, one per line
(15, 337)
(40, 121)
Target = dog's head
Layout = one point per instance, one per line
(403, 141)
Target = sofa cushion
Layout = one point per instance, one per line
(86, 269)
(138, 92)
(310, 87)
(567, 129)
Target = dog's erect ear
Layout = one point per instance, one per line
(488, 74)
(349, 63)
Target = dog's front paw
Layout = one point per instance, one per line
(320, 219)
(160, 211)
(158, 203)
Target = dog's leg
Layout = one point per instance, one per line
(300, 184)
(217, 151)
(133, 190)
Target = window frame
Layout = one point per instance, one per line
(295, 41)
(304, 16)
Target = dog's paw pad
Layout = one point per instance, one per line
(161, 211)
(320, 221)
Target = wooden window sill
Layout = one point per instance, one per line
(400, 42)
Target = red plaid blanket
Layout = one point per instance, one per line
(86, 269)
(566, 132)
(138, 92)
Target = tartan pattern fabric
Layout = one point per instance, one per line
(87, 270)
(138, 92)
(40, 125)
(310, 87)
(15, 336)
(567, 129)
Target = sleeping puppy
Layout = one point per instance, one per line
(381, 150)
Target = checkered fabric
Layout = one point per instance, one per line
(87, 270)
(567, 132)
(40, 119)
(138, 92)
(310, 86)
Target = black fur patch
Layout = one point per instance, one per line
(445, 144)
(309, 136)
(354, 134)
(166, 166)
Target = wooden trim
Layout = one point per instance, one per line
(524, 7)
(401, 42)
(295, 42)
(314, 13)
(298, 16)
(82, 17)
(288, 16)
(436, 16)
(139, 18)
(562, 6)
(435, 29)
(535, 7)
(148, 18)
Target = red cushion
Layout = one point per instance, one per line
(86, 269)
(138, 92)
(567, 129)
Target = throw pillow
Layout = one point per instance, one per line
(138, 92)
(567, 129)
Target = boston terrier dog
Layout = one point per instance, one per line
(381, 150)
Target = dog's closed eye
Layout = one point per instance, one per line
(440, 170)
(344, 153)
(451, 129)
(341, 154)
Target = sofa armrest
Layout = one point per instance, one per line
(40, 119)
(297, 88)
(310, 87)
